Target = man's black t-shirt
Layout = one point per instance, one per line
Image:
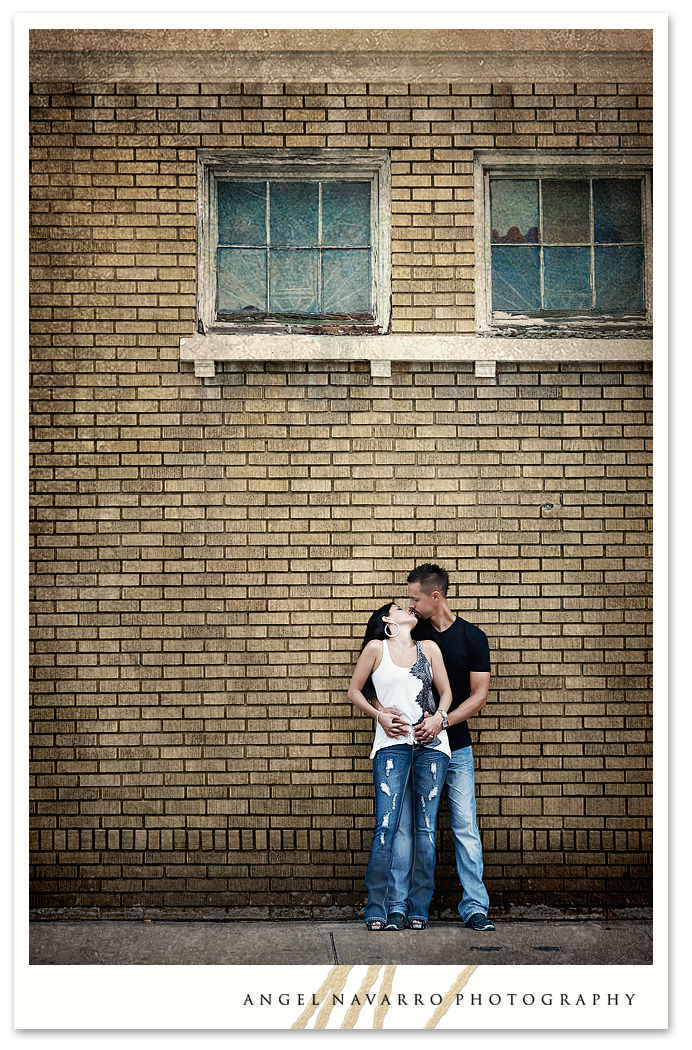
(464, 649)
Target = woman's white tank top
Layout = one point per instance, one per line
(399, 687)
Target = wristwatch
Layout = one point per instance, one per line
(445, 720)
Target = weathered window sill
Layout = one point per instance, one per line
(204, 350)
(528, 328)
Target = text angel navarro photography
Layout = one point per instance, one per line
(435, 999)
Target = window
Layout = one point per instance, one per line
(294, 240)
(563, 244)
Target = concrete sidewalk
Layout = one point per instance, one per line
(238, 943)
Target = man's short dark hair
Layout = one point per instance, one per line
(430, 577)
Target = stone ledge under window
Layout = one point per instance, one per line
(206, 349)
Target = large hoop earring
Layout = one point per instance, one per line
(389, 633)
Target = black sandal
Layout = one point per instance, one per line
(374, 924)
(418, 924)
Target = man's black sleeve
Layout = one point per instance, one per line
(480, 659)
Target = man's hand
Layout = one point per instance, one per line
(393, 722)
(428, 729)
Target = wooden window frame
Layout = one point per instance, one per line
(294, 165)
(540, 164)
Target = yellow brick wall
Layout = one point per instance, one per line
(206, 552)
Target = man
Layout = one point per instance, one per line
(467, 659)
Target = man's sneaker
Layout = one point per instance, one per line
(480, 923)
(395, 921)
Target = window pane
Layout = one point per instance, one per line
(566, 279)
(346, 287)
(514, 211)
(620, 278)
(294, 213)
(241, 280)
(617, 210)
(566, 212)
(293, 282)
(516, 278)
(346, 214)
(242, 212)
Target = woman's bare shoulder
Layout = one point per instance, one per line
(373, 651)
(429, 647)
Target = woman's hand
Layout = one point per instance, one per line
(426, 731)
(393, 722)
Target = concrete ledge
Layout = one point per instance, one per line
(323, 66)
(233, 347)
(346, 55)
(348, 40)
(594, 942)
(613, 911)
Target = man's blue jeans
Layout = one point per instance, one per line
(396, 770)
(461, 800)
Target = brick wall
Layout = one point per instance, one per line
(206, 552)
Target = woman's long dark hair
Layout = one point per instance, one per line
(375, 627)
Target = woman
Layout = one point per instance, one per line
(402, 672)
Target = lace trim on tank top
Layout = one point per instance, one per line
(423, 671)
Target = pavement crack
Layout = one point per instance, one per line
(614, 962)
(336, 958)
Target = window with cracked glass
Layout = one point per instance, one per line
(295, 240)
(564, 245)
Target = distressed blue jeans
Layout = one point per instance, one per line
(461, 800)
(422, 770)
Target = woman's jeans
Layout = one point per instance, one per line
(461, 801)
(393, 769)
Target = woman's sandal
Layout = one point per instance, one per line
(418, 924)
(374, 924)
